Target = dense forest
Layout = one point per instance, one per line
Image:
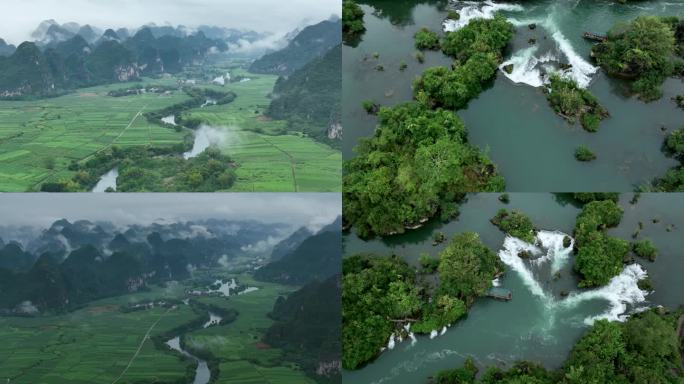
(673, 180)
(312, 42)
(352, 21)
(419, 162)
(315, 258)
(31, 72)
(307, 327)
(382, 295)
(646, 51)
(310, 99)
(647, 348)
(574, 103)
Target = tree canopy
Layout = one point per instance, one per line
(644, 349)
(416, 166)
(643, 50)
(572, 103)
(380, 295)
(516, 224)
(599, 256)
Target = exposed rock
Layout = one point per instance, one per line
(566, 241)
(532, 26)
(508, 68)
(524, 254)
(335, 131)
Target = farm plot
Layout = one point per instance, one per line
(91, 345)
(39, 139)
(270, 158)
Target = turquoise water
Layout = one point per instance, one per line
(537, 324)
(511, 120)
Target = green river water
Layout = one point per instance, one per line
(537, 324)
(511, 120)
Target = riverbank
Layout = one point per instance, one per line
(628, 145)
(547, 314)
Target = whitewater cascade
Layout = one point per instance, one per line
(469, 10)
(530, 66)
(621, 293)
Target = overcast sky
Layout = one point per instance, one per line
(18, 18)
(298, 209)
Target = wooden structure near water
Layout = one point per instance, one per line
(594, 37)
(499, 293)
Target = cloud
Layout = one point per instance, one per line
(262, 246)
(20, 17)
(295, 209)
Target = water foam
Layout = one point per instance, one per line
(620, 293)
(470, 10)
(527, 67)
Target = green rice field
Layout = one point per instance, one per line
(101, 344)
(270, 161)
(39, 139)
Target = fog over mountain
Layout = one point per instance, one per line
(19, 18)
(313, 210)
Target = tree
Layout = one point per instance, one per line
(642, 49)
(352, 18)
(426, 39)
(467, 267)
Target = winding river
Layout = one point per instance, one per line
(108, 180)
(202, 373)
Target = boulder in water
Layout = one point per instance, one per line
(524, 254)
(508, 68)
(532, 26)
(566, 241)
(564, 66)
(532, 41)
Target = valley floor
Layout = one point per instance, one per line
(39, 139)
(101, 344)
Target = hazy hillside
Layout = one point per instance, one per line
(316, 258)
(72, 60)
(312, 42)
(310, 99)
(307, 328)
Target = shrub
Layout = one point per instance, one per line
(426, 39)
(583, 153)
(645, 249)
(515, 224)
(572, 102)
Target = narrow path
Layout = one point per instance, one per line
(147, 336)
(129, 125)
(293, 162)
(99, 150)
